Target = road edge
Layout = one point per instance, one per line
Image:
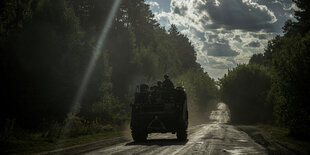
(83, 148)
(263, 138)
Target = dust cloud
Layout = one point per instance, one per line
(221, 115)
(200, 114)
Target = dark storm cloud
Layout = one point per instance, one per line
(253, 44)
(220, 48)
(236, 14)
(238, 38)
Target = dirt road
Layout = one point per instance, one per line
(213, 138)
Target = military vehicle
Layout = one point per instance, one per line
(159, 110)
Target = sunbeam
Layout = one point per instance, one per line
(90, 68)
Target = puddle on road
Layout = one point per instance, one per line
(227, 138)
(242, 140)
(241, 150)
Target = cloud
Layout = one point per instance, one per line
(238, 14)
(213, 37)
(283, 9)
(237, 38)
(217, 64)
(151, 3)
(221, 48)
(294, 7)
(222, 29)
(259, 36)
(180, 10)
(254, 44)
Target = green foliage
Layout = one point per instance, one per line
(200, 87)
(288, 58)
(302, 15)
(283, 135)
(45, 48)
(109, 111)
(291, 83)
(257, 59)
(30, 142)
(244, 89)
(38, 67)
(78, 127)
(14, 15)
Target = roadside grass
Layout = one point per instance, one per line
(282, 134)
(36, 143)
(56, 135)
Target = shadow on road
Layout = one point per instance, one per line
(159, 142)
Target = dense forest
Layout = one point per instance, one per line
(47, 48)
(47, 45)
(274, 87)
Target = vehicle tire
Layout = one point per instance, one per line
(182, 135)
(138, 136)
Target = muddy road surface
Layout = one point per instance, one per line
(214, 138)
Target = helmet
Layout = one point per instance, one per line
(166, 76)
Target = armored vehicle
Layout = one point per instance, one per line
(159, 110)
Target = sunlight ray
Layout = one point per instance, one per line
(92, 63)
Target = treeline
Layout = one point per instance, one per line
(46, 46)
(245, 89)
(274, 87)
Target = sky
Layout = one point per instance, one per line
(224, 32)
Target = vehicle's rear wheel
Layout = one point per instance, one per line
(138, 135)
(182, 135)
